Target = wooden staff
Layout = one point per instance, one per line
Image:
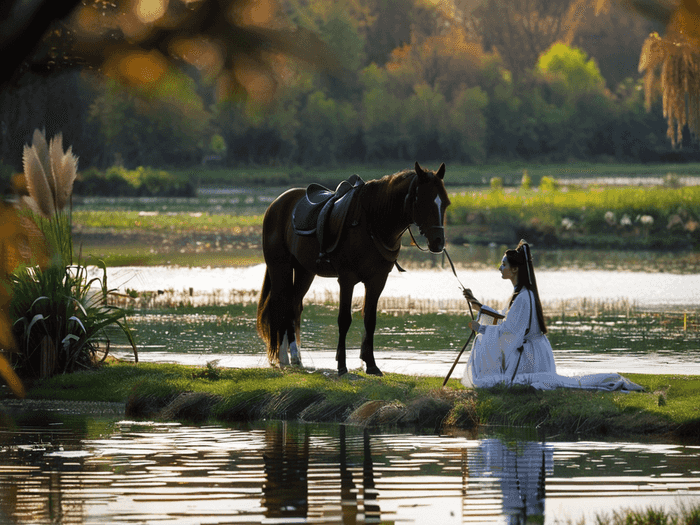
(458, 356)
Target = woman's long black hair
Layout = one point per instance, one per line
(521, 258)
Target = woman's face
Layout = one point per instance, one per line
(507, 271)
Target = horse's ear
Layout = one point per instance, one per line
(423, 177)
(441, 171)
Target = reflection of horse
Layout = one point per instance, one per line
(363, 250)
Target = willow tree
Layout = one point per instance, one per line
(671, 64)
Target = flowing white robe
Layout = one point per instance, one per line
(495, 359)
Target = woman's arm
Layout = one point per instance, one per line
(512, 329)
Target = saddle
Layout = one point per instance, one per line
(324, 213)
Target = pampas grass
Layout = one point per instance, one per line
(61, 317)
(49, 174)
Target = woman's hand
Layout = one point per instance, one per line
(474, 326)
(470, 297)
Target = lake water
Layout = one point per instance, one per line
(646, 290)
(422, 327)
(72, 470)
(90, 471)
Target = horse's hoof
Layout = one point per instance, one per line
(374, 371)
(296, 362)
(342, 371)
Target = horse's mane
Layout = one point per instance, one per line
(381, 198)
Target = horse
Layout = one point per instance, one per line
(366, 251)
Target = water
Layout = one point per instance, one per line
(408, 343)
(218, 285)
(422, 324)
(90, 471)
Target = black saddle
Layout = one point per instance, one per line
(323, 212)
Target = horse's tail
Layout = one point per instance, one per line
(270, 321)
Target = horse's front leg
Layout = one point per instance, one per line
(373, 289)
(344, 321)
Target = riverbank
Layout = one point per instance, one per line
(668, 410)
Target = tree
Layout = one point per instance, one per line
(520, 30)
(670, 62)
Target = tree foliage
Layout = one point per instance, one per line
(418, 80)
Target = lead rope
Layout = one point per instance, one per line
(471, 313)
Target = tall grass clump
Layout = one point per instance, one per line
(61, 318)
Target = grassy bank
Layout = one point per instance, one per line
(655, 218)
(456, 174)
(668, 409)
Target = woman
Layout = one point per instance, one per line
(516, 350)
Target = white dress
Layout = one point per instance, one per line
(495, 359)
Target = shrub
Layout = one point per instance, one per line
(143, 181)
(61, 321)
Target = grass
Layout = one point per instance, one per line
(456, 174)
(173, 223)
(667, 409)
(684, 515)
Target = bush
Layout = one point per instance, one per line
(143, 182)
(60, 322)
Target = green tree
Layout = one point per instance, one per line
(570, 70)
(327, 127)
(465, 136)
(161, 124)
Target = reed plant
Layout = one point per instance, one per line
(61, 316)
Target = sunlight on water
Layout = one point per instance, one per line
(282, 472)
(422, 344)
(646, 290)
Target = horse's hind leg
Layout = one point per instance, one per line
(281, 279)
(302, 283)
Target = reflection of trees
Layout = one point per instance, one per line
(521, 468)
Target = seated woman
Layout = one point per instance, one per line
(516, 350)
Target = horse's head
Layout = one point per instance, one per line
(429, 202)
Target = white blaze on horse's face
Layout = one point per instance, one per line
(438, 202)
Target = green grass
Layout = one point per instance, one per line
(181, 222)
(456, 174)
(143, 255)
(247, 394)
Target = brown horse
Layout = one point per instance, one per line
(365, 252)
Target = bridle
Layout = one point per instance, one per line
(409, 209)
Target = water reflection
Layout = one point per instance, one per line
(521, 468)
(89, 472)
(286, 460)
(286, 491)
